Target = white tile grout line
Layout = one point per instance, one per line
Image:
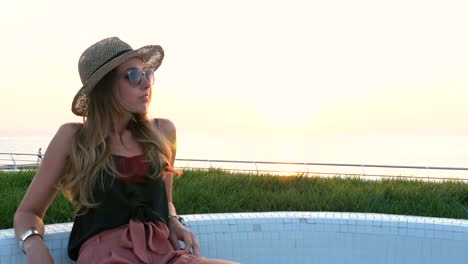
(366, 219)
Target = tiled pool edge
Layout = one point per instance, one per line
(307, 237)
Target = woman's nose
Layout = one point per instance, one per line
(145, 83)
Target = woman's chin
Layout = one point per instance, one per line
(140, 111)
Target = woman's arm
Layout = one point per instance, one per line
(168, 130)
(41, 193)
(178, 231)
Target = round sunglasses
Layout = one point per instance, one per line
(135, 76)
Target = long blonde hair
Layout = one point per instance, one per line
(90, 151)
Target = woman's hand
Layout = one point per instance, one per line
(37, 251)
(178, 232)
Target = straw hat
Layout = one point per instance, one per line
(103, 57)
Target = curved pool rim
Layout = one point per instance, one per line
(301, 237)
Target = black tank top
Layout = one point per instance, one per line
(120, 201)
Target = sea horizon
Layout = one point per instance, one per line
(387, 149)
(425, 151)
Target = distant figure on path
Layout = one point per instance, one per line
(116, 166)
(39, 155)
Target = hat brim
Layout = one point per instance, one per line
(152, 56)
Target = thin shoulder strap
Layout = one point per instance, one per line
(156, 122)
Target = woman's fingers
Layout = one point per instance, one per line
(187, 240)
(174, 242)
(196, 246)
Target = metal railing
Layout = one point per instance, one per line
(15, 161)
(370, 171)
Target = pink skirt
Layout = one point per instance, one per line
(136, 242)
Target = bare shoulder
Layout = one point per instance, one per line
(167, 128)
(64, 136)
(69, 129)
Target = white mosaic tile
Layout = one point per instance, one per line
(294, 237)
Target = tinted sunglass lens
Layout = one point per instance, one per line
(134, 76)
(149, 75)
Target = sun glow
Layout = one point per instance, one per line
(289, 117)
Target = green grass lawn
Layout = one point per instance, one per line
(218, 191)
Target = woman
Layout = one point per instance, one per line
(116, 167)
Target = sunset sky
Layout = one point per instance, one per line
(251, 67)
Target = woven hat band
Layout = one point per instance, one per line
(111, 58)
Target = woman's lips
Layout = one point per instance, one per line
(144, 98)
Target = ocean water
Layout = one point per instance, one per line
(426, 151)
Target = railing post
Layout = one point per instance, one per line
(14, 162)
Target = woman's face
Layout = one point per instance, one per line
(134, 98)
